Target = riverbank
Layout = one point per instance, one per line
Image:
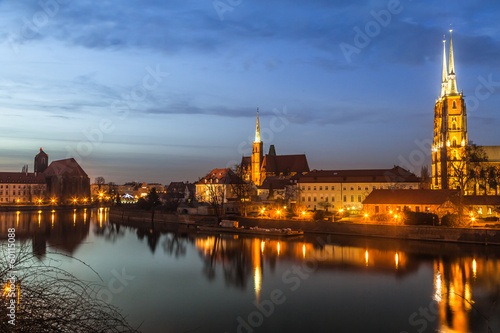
(484, 236)
(28, 208)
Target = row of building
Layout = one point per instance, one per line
(287, 178)
(61, 182)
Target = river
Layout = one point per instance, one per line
(171, 280)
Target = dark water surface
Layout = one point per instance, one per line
(182, 281)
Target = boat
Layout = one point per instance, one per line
(286, 232)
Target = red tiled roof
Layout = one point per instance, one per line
(396, 174)
(21, 178)
(220, 176)
(276, 182)
(246, 161)
(285, 164)
(414, 197)
(490, 200)
(66, 167)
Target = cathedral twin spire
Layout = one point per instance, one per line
(449, 82)
(257, 129)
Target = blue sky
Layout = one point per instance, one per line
(162, 91)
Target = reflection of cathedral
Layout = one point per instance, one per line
(450, 130)
(259, 166)
(465, 289)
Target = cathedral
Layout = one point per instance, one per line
(450, 129)
(258, 167)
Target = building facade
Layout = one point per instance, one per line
(347, 189)
(216, 186)
(450, 128)
(21, 188)
(61, 182)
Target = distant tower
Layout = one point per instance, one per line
(41, 161)
(257, 154)
(450, 126)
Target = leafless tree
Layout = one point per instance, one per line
(464, 172)
(52, 299)
(243, 190)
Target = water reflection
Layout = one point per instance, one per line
(62, 230)
(463, 281)
(467, 291)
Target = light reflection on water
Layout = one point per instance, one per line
(206, 282)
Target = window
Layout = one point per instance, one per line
(454, 104)
(359, 188)
(303, 188)
(377, 209)
(308, 198)
(374, 187)
(326, 198)
(352, 188)
(352, 198)
(333, 198)
(345, 198)
(315, 188)
(326, 188)
(321, 188)
(321, 198)
(13, 186)
(314, 199)
(309, 188)
(303, 198)
(417, 209)
(359, 198)
(366, 188)
(333, 188)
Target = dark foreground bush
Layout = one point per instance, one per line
(40, 297)
(417, 218)
(450, 220)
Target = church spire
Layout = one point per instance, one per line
(257, 129)
(444, 82)
(452, 87)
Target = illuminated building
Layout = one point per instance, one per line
(216, 183)
(67, 181)
(450, 127)
(348, 188)
(450, 132)
(258, 166)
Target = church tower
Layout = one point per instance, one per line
(257, 155)
(450, 127)
(41, 161)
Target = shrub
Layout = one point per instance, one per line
(418, 218)
(318, 215)
(450, 220)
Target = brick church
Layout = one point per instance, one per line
(260, 166)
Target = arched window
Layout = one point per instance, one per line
(454, 126)
(454, 105)
(454, 142)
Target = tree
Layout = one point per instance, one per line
(465, 171)
(214, 195)
(243, 190)
(425, 177)
(494, 178)
(100, 181)
(153, 198)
